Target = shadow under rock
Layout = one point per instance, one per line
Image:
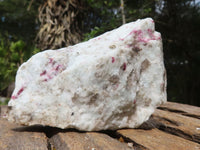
(49, 131)
(152, 123)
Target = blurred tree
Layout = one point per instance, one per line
(16, 22)
(66, 22)
(60, 23)
(12, 55)
(102, 16)
(17, 32)
(122, 10)
(179, 22)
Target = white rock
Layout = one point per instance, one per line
(113, 81)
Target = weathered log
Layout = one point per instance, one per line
(172, 126)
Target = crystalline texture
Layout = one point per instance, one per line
(113, 81)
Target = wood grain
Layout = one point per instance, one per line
(183, 126)
(188, 110)
(155, 139)
(173, 126)
(10, 139)
(87, 141)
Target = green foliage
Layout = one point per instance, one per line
(93, 33)
(4, 102)
(17, 32)
(12, 55)
(106, 15)
(100, 16)
(17, 21)
(178, 21)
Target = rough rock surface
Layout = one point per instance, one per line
(115, 80)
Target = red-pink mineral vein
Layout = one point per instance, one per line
(124, 66)
(97, 38)
(54, 70)
(18, 93)
(43, 73)
(140, 35)
(113, 59)
(134, 102)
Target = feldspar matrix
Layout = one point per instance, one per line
(115, 80)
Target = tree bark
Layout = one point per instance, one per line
(60, 24)
(123, 14)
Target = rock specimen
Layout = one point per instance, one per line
(113, 81)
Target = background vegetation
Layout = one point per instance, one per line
(28, 26)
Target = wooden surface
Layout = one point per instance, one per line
(173, 126)
(12, 138)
